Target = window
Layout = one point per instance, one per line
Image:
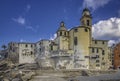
(75, 41)
(40, 49)
(97, 65)
(60, 33)
(97, 56)
(103, 42)
(86, 30)
(95, 42)
(103, 63)
(97, 61)
(93, 50)
(97, 50)
(31, 45)
(51, 47)
(31, 52)
(88, 22)
(26, 45)
(103, 52)
(65, 33)
(76, 30)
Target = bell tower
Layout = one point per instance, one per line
(62, 37)
(86, 19)
(86, 22)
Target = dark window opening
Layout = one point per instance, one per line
(93, 50)
(26, 45)
(88, 22)
(97, 61)
(97, 65)
(75, 41)
(31, 52)
(86, 30)
(51, 47)
(103, 52)
(40, 49)
(65, 33)
(103, 58)
(60, 33)
(97, 56)
(95, 42)
(103, 42)
(103, 63)
(97, 50)
(31, 45)
(75, 30)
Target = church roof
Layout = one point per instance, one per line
(62, 27)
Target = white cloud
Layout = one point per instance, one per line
(22, 40)
(53, 37)
(31, 28)
(94, 4)
(111, 42)
(107, 29)
(20, 20)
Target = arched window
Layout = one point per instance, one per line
(61, 33)
(65, 33)
(88, 22)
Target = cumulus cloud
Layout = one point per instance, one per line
(53, 37)
(107, 30)
(94, 4)
(22, 40)
(111, 43)
(21, 20)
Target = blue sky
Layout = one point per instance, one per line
(32, 20)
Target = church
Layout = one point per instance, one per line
(71, 49)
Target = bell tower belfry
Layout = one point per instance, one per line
(62, 37)
(86, 19)
(86, 22)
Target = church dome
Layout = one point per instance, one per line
(86, 12)
(62, 27)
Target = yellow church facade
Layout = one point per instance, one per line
(86, 51)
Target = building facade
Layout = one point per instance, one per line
(116, 62)
(71, 49)
(21, 52)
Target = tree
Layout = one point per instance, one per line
(4, 47)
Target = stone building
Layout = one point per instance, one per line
(21, 52)
(111, 56)
(43, 53)
(71, 49)
(99, 57)
(116, 62)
